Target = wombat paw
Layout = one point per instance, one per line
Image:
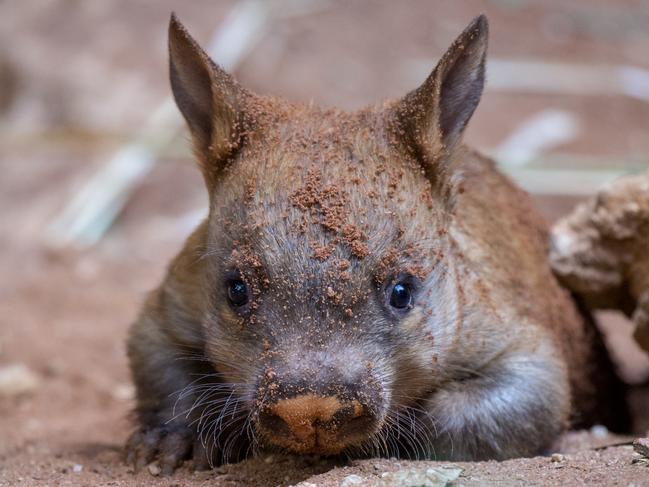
(168, 446)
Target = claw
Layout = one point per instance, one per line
(174, 449)
(199, 454)
(170, 446)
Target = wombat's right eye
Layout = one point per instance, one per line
(401, 296)
(237, 292)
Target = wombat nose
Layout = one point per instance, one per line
(311, 423)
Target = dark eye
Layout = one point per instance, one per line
(237, 292)
(401, 296)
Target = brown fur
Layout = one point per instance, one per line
(319, 213)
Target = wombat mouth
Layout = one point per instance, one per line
(322, 442)
(321, 445)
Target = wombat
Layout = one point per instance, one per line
(364, 284)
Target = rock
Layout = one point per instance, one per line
(599, 431)
(76, 468)
(352, 480)
(154, 469)
(591, 249)
(420, 477)
(557, 457)
(641, 446)
(17, 380)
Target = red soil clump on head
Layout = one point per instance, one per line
(329, 207)
(355, 239)
(322, 253)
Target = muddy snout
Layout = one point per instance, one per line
(320, 420)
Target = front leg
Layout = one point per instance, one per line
(516, 406)
(164, 373)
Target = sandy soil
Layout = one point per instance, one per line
(64, 313)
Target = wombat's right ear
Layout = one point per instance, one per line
(209, 98)
(432, 118)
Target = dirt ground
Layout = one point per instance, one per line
(77, 80)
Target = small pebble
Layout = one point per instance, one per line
(557, 457)
(203, 474)
(430, 477)
(77, 468)
(351, 480)
(17, 380)
(154, 469)
(599, 431)
(123, 392)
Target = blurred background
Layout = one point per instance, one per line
(97, 189)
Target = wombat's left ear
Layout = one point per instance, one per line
(211, 101)
(432, 118)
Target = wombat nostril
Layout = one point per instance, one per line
(274, 424)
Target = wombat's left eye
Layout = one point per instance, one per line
(401, 296)
(237, 292)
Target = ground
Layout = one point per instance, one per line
(78, 80)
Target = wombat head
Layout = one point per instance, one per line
(327, 303)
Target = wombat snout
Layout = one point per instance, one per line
(311, 423)
(321, 414)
